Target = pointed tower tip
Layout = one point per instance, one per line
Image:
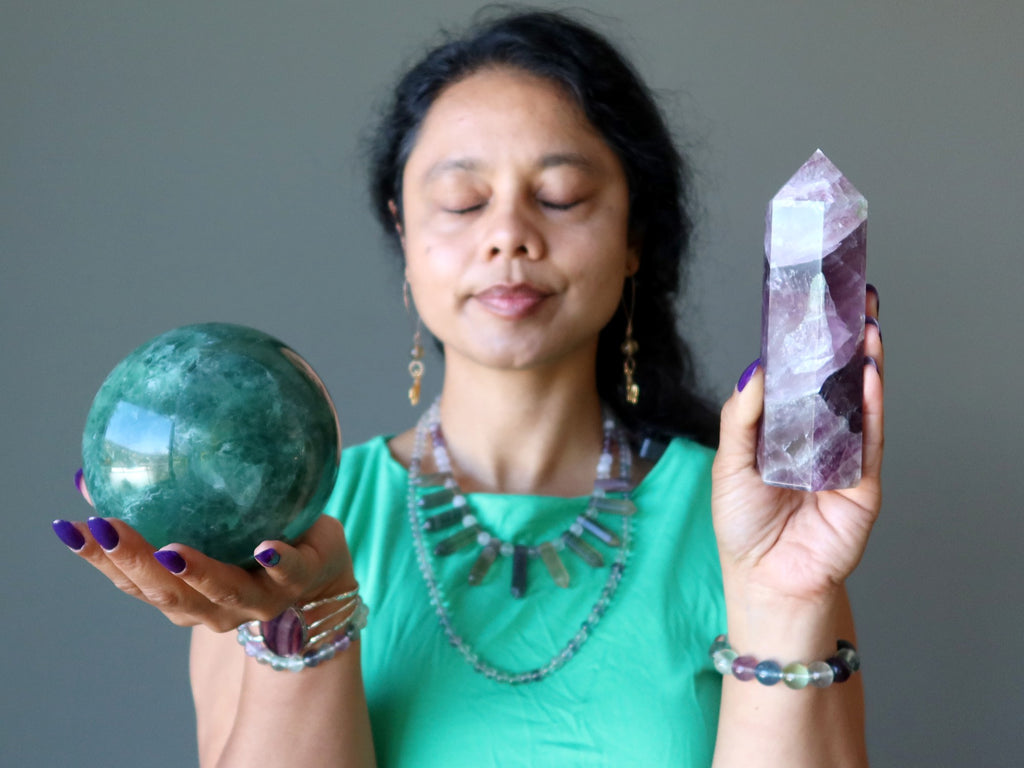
(818, 179)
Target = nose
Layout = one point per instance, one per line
(512, 233)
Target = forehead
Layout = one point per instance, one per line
(499, 114)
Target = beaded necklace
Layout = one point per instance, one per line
(424, 517)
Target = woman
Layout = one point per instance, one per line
(536, 197)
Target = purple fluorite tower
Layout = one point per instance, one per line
(812, 331)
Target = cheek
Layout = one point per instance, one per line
(597, 284)
(430, 263)
(433, 271)
(601, 256)
(600, 274)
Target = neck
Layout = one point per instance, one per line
(528, 432)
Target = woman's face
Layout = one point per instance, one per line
(515, 215)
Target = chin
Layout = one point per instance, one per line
(526, 354)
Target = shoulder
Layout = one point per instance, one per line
(367, 472)
(355, 458)
(401, 446)
(679, 464)
(675, 532)
(675, 497)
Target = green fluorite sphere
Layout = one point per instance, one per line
(216, 436)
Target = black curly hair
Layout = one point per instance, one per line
(619, 105)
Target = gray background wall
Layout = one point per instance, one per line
(171, 162)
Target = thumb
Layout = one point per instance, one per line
(737, 445)
(319, 558)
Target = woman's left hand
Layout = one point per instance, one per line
(789, 545)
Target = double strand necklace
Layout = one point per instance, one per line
(436, 503)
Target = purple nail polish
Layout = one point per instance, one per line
(874, 321)
(869, 360)
(79, 476)
(104, 533)
(67, 533)
(170, 560)
(872, 289)
(268, 557)
(748, 372)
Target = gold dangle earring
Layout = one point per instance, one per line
(416, 353)
(629, 348)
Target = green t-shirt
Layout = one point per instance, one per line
(640, 691)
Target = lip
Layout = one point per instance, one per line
(512, 301)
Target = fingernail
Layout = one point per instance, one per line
(872, 289)
(268, 557)
(71, 536)
(874, 321)
(170, 560)
(103, 532)
(80, 485)
(869, 360)
(748, 372)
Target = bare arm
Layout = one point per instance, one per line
(248, 714)
(775, 726)
(785, 557)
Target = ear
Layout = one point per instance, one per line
(398, 221)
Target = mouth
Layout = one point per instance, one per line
(511, 301)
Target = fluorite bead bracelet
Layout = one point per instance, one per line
(820, 674)
(286, 643)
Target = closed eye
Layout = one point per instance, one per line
(468, 209)
(559, 206)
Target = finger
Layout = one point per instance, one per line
(225, 595)
(309, 569)
(319, 559)
(131, 565)
(72, 537)
(740, 414)
(873, 347)
(78, 537)
(874, 423)
(871, 299)
(80, 485)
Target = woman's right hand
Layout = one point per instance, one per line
(190, 588)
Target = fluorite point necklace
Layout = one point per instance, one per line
(437, 504)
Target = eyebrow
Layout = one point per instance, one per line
(573, 159)
(452, 164)
(554, 160)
